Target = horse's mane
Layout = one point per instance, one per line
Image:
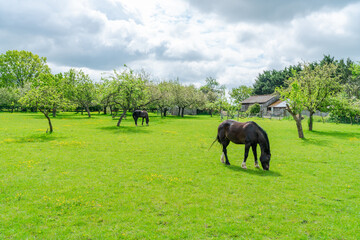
(267, 144)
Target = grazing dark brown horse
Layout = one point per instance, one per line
(248, 133)
(143, 114)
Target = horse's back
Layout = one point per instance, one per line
(232, 130)
(140, 113)
(239, 132)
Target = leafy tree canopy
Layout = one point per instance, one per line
(240, 93)
(268, 81)
(20, 67)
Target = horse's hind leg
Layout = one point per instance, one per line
(142, 122)
(255, 155)
(247, 148)
(225, 143)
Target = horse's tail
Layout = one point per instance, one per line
(224, 126)
(216, 139)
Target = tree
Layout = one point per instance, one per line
(165, 92)
(44, 95)
(293, 95)
(343, 68)
(103, 94)
(317, 85)
(344, 109)
(352, 86)
(268, 81)
(222, 102)
(211, 85)
(128, 90)
(213, 91)
(9, 97)
(80, 89)
(239, 94)
(186, 96)
(20, 67)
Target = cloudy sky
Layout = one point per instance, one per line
(230, 40)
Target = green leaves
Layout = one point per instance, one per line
(45, 94)
(79, 89)
(20, 67)
(240, 93)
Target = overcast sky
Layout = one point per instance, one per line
(230, 40)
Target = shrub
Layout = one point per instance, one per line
(253, 109)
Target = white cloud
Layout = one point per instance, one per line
(232, 41)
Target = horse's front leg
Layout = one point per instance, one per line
(255, 155)
(142, 122)
(246, 154)
(136, 120)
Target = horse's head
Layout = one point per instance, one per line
(265, 160)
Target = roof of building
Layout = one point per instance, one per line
(259, 99)
(279, 104)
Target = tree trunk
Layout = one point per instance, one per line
(88, 111)
(298, 123)
(114, 113)
(210, 112)
(49, 120)
(179, 111)
(311, 120)
(105, 110)
(122, 116)
(182, 112)
(165, 110)
(299, 127)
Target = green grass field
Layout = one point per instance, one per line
(92, 180)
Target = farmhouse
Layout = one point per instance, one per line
(263, 100)
(278, 108)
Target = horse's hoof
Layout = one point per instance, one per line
(257, 165)
(222, 158)
(243, 165)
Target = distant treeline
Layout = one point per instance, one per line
(27, 84)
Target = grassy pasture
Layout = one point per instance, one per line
(92, 180)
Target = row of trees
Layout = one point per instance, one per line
(267, 81)
(329, 85)
(26, 82)
(320, 87)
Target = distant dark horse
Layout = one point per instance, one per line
(141, 114)
(248, 133)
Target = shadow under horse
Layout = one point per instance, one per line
(248, 133)
(141, 114)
